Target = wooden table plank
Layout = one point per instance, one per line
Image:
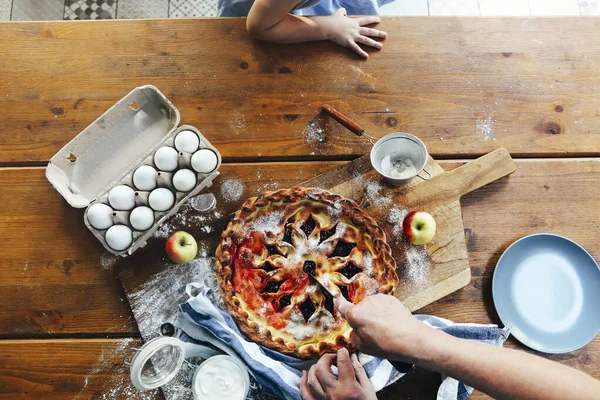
(464, 85)
(67, 369)
(51, 280)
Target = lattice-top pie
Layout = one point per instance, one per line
(266, 250)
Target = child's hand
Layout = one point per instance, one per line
(348, 32)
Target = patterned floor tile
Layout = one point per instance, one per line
(127, 9)
(192, 8)
(454, 7)
(90, 9)
(554, 7)
(508, 8)
(589, 7)
(406, 7)
(5, 6)
(35, 10)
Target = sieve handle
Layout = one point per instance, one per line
(349, 124)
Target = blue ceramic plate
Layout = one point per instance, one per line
(546, 288)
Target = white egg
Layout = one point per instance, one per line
(184, 180)
(141, 218)
(165, 159)
(119, 237)
(100, 216)
(161, 199)
(144, 178)
(204, 161)
(187, 141)
(122, 198)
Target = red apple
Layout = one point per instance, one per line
(181, 247)
(419, 227)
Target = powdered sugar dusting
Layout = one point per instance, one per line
(340, 229)
(232, 189)
(336, 210)
(371, 285)
(298, 328)
(268, 223)
(373, 190)
(368, 263)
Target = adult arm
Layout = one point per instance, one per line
(270, 20)
(383, 327)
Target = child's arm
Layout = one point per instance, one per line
(270, 20)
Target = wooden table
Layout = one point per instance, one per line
(466, 86)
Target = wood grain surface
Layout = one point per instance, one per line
(464, 85)
(564, 192)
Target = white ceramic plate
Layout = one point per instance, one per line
(546, 288)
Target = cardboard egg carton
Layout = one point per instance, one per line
(108, 152)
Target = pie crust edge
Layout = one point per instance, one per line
(264, 336)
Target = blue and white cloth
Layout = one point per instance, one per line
(206, 325)
(240, 8)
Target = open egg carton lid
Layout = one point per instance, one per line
(108, 151)
(105, 150)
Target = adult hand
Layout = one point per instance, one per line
(351, 383)
(349, 32)
(384, 327)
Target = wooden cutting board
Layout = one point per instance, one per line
(426, 273)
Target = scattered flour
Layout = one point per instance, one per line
(396, 217)
(163, 231)
(374, 193)
(108, 260)
(156, 301)
(118, 386)
(268, 187)
(417, 264)
(232, 189)
(484, 128)
(314, 134)
(237, 121)
(188, 217)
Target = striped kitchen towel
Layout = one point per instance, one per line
(279, 374)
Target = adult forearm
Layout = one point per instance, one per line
(290, 29)
(504, 373)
